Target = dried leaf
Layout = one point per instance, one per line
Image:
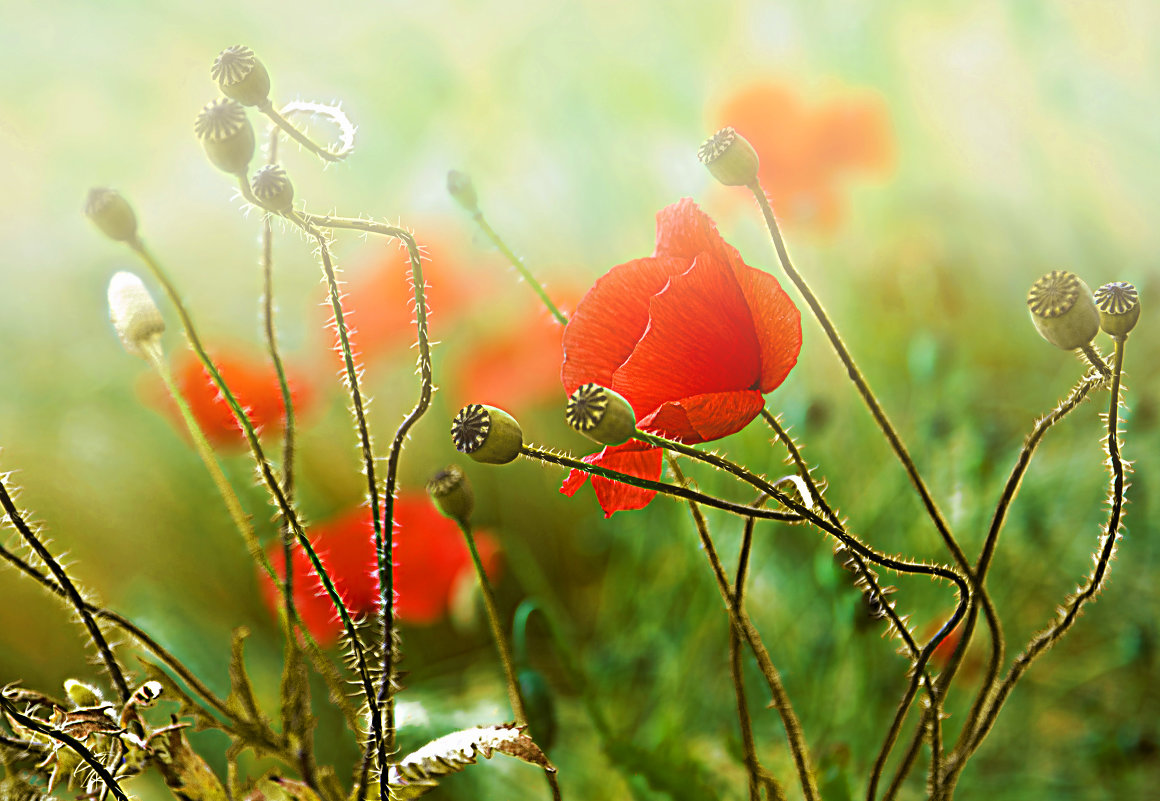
(186, 773)
(419, 771)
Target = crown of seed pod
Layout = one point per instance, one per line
(112, 214)
(486, 434)
(451, 492)
(601, 414)
(241, 76)
(1063, 310)
(224, 131)
(1119, 307)
(730, 158)
(460, 187)
(272, 188)
(135, 316)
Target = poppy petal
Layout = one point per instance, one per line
(778, 325)
(701, 418)
(685, 232)
(633, 458)
(700, 340)
(610, 320)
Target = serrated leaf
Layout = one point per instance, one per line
(241, 701)
(186, 773)
(421, 770)
(297, 720)
(171, 691)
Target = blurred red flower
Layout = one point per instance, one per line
(692, 337)
(378, 304)
(805, 150)
(431, 561)
(252, 380)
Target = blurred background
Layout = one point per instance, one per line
(928, 163)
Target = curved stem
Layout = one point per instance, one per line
(745, 629)
(70, 592)
(1044, 640)
(301, 138)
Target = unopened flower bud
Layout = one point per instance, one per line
(1119, 306)
(601, 414)
(225, 132)
(82, 695)
(273, 189)
(460, 187)
(730, 158)
(241, 76)
(112, 214)
(486, 434)
(135, 316)
(1063, 310)
(451, 492)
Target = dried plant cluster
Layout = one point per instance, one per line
(665, 353)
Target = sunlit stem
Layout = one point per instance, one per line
(521, 268)
(288, 128)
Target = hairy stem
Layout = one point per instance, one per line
(521, 268)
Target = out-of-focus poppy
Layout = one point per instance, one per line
(431, 565)
(378, 301)
(253, 381)
(692, 337)
(806, 150)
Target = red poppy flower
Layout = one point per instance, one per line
(431, 561)
(252, 380)
(692, 337)
(805, 150)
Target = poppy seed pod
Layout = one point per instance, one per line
(135, 316)
(487, 434)
(1119, 307)
(452, 494)
(460, 187)
(273, 189)
(730, 158)
(112, 214)
(82, 695)
(1063, 310)
(225, 132)
(241, 76)
(601, 414)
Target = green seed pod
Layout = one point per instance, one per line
(82, 695)
(273, 189)
(135, 316)
(1119, 306)
(730, 158)
(452, 494)
(1063, 310)
(112, 214)
(460, 187)
(486, 434)
(224, 131)
(601, 414)
(241, 76)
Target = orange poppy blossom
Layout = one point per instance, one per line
(806, 150)
(252, 380)
(431, 564)
(691, 336)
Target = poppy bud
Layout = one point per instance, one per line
(135, 316)
(241, 76)
(1063, 310)
(1119, 306)
(486, 434)
(730, 158)
(82, 695)
(460, 187)
(273, 189)
(112, 214)
(451, 492)
(224, 131)
(601, 414)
